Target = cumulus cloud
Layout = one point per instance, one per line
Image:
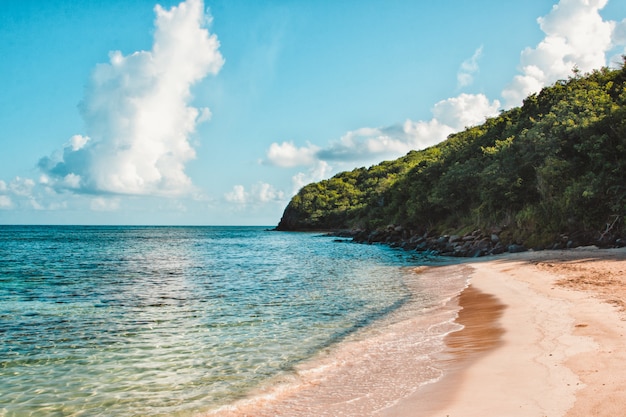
(137, 113)
(25, 193)
(469, 67)
(368, 143)
(105, 204)
(286, 154)
(264, 193)
(238, 195)
(619, 33)
(317, 172)
(260, 192)
(5, 202)
(619, 39)
(465, 110)
(21, 186)
(576, 36)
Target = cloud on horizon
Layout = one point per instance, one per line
(259, 193)
(366, 143)
(139, 119)
(575, 36)
(137, 114)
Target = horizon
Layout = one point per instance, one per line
(138, 225)
(214, 114)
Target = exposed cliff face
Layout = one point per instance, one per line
(290, 221)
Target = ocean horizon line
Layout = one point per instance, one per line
(129, 225)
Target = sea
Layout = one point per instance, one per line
(215, 321)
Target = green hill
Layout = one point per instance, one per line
(554, 167)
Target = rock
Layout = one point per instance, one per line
(495, 238)
(417, 239)
(422, 246)
(454, 238)
(498, 249)
(484, 244)
(514, 248)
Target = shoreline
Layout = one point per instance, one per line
(561, 348)
(481, 333)
(543, 335)
(375, 367)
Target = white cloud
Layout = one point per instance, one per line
(71, 180)
(318, 172)
(465, 110)
(260, 193)
(576, 36)
(469, 67)
(32, 201)
(238, 195)
(77, 142)
(369, 145)
(619, 33)
(265, 193)
(286, 154)
(21, 186)
(136, 109)
(451, 115)
(25, 193)
(5, 202)
(619, 40)
(364, 143)
(105, 204)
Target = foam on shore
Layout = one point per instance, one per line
(560, 352)
(481, 333)
(377, 367)
(534, 334)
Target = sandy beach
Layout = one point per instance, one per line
(544, 336)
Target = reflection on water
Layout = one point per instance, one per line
(170, 321)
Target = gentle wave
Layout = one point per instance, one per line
(182, 320)
(374, 368)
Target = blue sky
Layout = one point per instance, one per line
(216, 113)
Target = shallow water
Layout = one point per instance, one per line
(182, 320)
(373, 368)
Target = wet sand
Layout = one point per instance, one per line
(375, 367)
(481, 333)
(543, 335)
(550, 344)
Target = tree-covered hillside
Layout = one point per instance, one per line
(556, 165)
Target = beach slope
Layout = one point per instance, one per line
(561, 341)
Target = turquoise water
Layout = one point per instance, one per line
(174, 320)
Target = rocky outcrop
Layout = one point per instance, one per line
(290, 220)
(475, 244)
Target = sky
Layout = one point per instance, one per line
(218, 112)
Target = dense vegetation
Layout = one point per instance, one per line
(556, 165)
